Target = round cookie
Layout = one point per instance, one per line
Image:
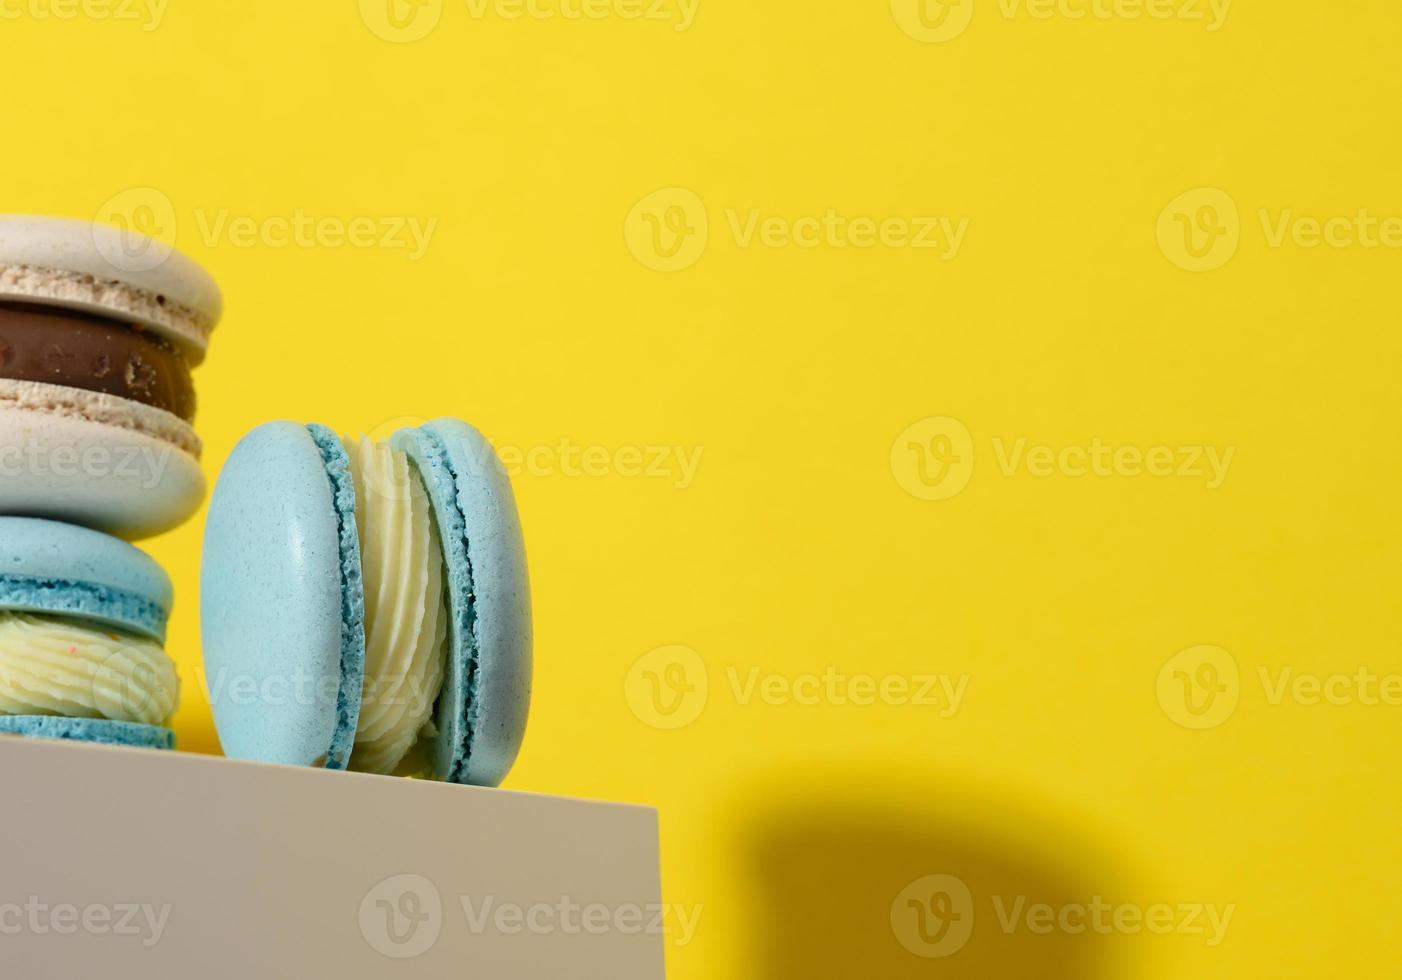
(490, 600)
(82, 620)
(284, 609)
(63, 570)
(99, 329)
(111, 272)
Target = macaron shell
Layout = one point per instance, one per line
(487, 687)
(96, 730)
(50, 567)
(109, 271)
(59, 464)
(271, 603)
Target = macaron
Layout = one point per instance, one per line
(91, 730)
(82, 627)
(99, 330)
(366, 606)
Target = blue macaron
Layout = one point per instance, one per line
(64, 570)
(85, 578)
(96, 730)
(283, 605)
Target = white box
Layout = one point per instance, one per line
(118, 864)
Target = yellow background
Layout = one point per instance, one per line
(1065, 774)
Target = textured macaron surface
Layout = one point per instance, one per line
(51, 567)
(111, 272)
(281, 601)
(486, 692)
(96, 730)
(97, 460)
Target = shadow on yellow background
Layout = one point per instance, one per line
(850, 886)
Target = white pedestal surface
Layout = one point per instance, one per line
(136, 865)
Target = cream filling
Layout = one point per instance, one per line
(406, 623)
(53, 666)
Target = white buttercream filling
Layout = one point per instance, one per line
(53, 666)
(406, 622)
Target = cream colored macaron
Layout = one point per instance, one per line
(99, 329)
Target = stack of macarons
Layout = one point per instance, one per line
(364, 605)
(99, 330)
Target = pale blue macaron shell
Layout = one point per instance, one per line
(481, 714)
(52, 568)
(282, 607)
(95, 730)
